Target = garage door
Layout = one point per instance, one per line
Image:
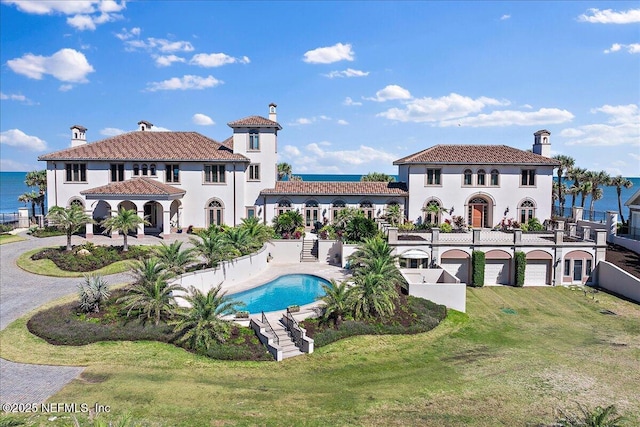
(458, 267)
(537, 272)
(496, 272)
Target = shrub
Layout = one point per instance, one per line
(45, 232)
(445, 227)
(100, 256)
(521, 265)
(407, 226)
(92, 293)
(534, 225)
(5, 228)
(478, 262)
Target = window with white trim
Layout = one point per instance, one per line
(481, 178)
(254, 140)
(495, 178)
(527, 211)
(254, 172)
(172, 172)
(433, 177)
(528, 177)
(468, 177)
(75, 172)
(117, 172)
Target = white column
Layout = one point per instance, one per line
(88, 231)
(140, 231)
(166, 221)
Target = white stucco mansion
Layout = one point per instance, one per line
(181, 179)
(177, 179)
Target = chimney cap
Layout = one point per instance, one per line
(149, 124)
(542, 131)
(273, 104)
(81, 128)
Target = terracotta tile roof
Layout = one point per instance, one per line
(337, 188)
(135, 187)
(476, 154)
(228, 142)
(256, 121)
(150, 146)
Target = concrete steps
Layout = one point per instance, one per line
(288, 347)
(309, 251)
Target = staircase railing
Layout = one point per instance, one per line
(269, 329)
(295, 329)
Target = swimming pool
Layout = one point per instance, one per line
(278, 294)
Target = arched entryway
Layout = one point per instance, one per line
(101, 211)
(497, 268)
(432, 211)
(480, 211)
(153, 215)
(175, 214)
(214, 212)
(457, 263)
(577, 267)
(414, 258)
(538, 268)
(311, 213)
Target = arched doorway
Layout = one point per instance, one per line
(153, 215)
(479, 212)
(311, 213)
(175, 214)
(101, 211)
(432, 212)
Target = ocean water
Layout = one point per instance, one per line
(12, 185)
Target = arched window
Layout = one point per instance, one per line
(152, 169)
(145, 169)
(367, 209)
(481, 179)
(136, 169)
(432, 212)
(527, 211)
(495, 178)
(336, 207)
(76, 202)
(468, 177)
(214, 213)
(284, 205)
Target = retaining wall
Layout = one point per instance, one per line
(615, 279)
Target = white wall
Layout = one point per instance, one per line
(439, 287)
(613, 278)
(285, 251)
(330, 252)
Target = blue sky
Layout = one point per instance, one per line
(358, 84)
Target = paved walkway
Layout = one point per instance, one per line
(21, 292)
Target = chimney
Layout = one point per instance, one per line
(272, 112)
(542, 143)
(144, 125)
(78, 135)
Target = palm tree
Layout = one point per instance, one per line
(377, 177)
(566, 163)
(200, 326)
(434, 210)
(38, 179)
(151, 295)
(337, 302)
(212, 245)
(584, 189)
(30, 197)
(597, 417)
(127, 220)
(173, 258)
(372, 295)
(374, 256)
(239, 240)
(69, 220)
(619, 182)
(93, 292)
(597, 179)
(284, 170)
(287, 222)
(258, 232)
(576, 174)
(359, 229)
(394, 215)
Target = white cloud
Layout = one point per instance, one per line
(543, 116)
(159, 129)
(314, 158)
(184, 83)
(608, 16)
(128, 34)
(159, 45)
(635, 156)
(342, 122)
(8, 165)
(349, 101)
(302, 121)
(505, 17)
(112, 132)
(167, 60)
(83, 14)
(67, 65)
(211, 60)
(15, 97)
(349, 72)
(621, 128)
(65, 87)
(631, 48)
(17, 138)
(391, 92)
(330, 54)
(452, 106)
(202, 120)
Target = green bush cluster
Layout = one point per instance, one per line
(47, 231)
(477, 266)
(244, 345)
(98, 257)
(445, 227)
(521, 265)
(5, 228)
(425, 315)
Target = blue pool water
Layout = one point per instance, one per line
(292, 289)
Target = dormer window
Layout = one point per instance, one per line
(136, 169)
(254, 140)
(145, 169)
(152, 169)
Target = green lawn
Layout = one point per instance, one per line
(518, 356)
(46, 267)
(10, 238)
